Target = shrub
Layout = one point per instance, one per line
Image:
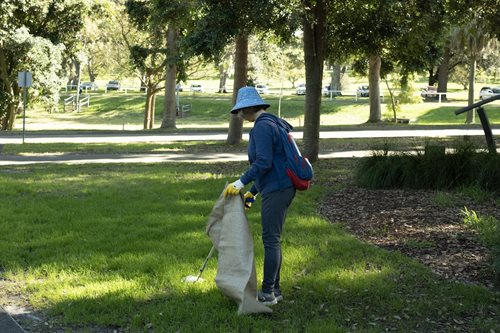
(489, 232)
(433, 169)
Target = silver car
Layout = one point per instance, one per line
(113, 85)
(487, 92)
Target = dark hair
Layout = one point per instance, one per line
(255, 108)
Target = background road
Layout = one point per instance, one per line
(71, 158)
(146, 137)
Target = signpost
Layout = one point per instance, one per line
(24, 80)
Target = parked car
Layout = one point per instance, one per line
(301, 89)
(363, 91)
(261, 89)
(487, 92)
(92, 86)
(113, 85)
(325, 91)
(195, 87)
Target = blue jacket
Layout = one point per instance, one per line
(266, 155)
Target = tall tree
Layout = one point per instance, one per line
(384, 34)
(102, 43)
(314, 25)
(240, 80)
(224, 22)
(170, 105)
(472, 38)
(161, 23)
(35, 36)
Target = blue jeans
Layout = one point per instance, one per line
(274, 208)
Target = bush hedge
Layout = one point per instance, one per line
(431, 169)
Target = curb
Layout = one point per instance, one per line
(8, 324)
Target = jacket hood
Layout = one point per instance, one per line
(278, 121)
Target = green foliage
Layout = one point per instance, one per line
(403, 33)
(409, 95)
(443, 199)
(489, 232)
(476, 193)
(488, 226)
(33, 37)
(219, 22)
(433, 169)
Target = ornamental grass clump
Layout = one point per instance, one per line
(488, 228)
(432, 168)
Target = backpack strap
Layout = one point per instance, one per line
(282, 177)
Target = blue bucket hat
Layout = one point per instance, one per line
(247, 97)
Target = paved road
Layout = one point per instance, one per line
(183, 157)
(7, 324)
(133, 137)
(147, 158)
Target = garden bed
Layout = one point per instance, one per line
(416, 224)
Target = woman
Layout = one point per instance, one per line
(267, 158)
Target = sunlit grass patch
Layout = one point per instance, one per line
(109, 245)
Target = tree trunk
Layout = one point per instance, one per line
(443, 72)
(169, 108)
(314, 56)
(11, 92)
(393, 99)
(4, 87)
(91, 71)
(433, 76)
(374, 83)
(222, 78)
(12, 114)
(153, 110)
(76, 78)
(472, 74)
(149, 108)
(235, 133)
(335, 83)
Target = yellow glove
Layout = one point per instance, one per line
(234, 188)
(249, 199)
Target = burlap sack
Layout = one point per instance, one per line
(228, 228)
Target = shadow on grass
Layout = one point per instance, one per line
(441, 115)
(109, 245)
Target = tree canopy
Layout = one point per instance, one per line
(35, 36)
(387, 34)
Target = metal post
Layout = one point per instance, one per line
(24, 106)
(487, 130)
(78, 89)
(281, 88)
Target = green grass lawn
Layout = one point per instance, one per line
(117, 111)
(108, 245)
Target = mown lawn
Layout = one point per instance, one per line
(108, 245)
(117, 110)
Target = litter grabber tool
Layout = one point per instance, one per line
(194, 278)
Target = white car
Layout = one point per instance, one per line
(89, 86)
(487, 92)
(113, 85)
(325, 91)
(301, 89)
(195, 87)
(261, 89)
(363, 91)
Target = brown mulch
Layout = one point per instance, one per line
(410, 221)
